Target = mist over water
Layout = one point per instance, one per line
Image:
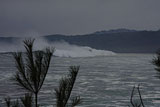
(62, 48)
(11, 47)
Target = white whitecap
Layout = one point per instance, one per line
(64, 49)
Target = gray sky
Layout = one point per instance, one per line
(41, 17)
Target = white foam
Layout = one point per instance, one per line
(64, 49)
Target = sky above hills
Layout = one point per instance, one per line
(43, 17)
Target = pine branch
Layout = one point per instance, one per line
(64, 90)
(32, 72)
(27, 100)
(76, 101)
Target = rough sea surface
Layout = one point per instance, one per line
(101, 82)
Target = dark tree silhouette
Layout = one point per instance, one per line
(156, 61)
(32, 69)
(8, 101)
(63, 92)
(135, 104)
(27, 100)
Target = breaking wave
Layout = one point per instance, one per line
(62, 49)
(67, 50)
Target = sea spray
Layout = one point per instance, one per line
(62, 48)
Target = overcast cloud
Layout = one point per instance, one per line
(43, 17)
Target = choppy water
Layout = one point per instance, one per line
(102, 81)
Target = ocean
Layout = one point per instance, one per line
(103, 81)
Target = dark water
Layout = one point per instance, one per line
(102, 81)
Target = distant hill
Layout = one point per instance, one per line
(8, 39)
(114, 31)
(120, 40)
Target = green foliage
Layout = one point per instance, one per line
(32, 72)
(64, 90)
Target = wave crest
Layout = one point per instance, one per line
(64, 49)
